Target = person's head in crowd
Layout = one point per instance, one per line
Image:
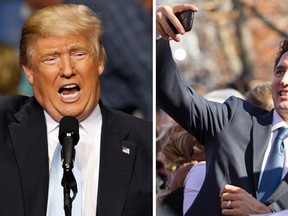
(261, 95)
(181, 148)
(62, 55)
(10, 73)
(162, 138)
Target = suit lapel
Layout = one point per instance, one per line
(260, 138)
(263, 130)
(117, 157)
(30, 145)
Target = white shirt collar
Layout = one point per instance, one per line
(277, 121)
(87, 124)
(50, 122)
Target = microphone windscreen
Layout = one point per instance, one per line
(69, 126)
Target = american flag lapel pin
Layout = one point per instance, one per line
(125, 150)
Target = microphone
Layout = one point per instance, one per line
(68, 137)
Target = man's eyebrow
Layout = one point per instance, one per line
(49, 53)
(281, 66)
(78, 47)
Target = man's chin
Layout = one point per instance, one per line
(282, 110)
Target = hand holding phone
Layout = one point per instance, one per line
(186, 18)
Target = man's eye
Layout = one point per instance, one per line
(79, 55)
(279, 72)
(50, 60)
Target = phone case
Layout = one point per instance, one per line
(186, 18)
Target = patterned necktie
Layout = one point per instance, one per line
(273, 170)
(55, 206)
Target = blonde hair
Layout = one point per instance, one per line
(61, 20)
(261, 95)
(179, 148)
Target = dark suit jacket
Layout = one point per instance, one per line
(235, 135)
(125, 180)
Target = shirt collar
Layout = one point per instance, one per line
(90, 123)
(50, 122)
(277, 121)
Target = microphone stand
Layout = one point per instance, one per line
(69, 184)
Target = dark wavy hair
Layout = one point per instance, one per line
(282, 49)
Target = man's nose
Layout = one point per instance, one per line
(68, 68)
(284, 79)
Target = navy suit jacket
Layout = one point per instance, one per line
(125, 180)
(235, 135)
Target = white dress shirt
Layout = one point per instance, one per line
(193, 183)
(276, 124)
(87, 155)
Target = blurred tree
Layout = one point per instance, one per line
(237, 41)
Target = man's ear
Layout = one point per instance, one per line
(29, 74)
(101, 61)
(101, 66)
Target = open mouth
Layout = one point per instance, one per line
(69, 91)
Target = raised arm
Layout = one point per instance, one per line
(198, 116)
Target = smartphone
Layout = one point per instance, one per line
(186, 18)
